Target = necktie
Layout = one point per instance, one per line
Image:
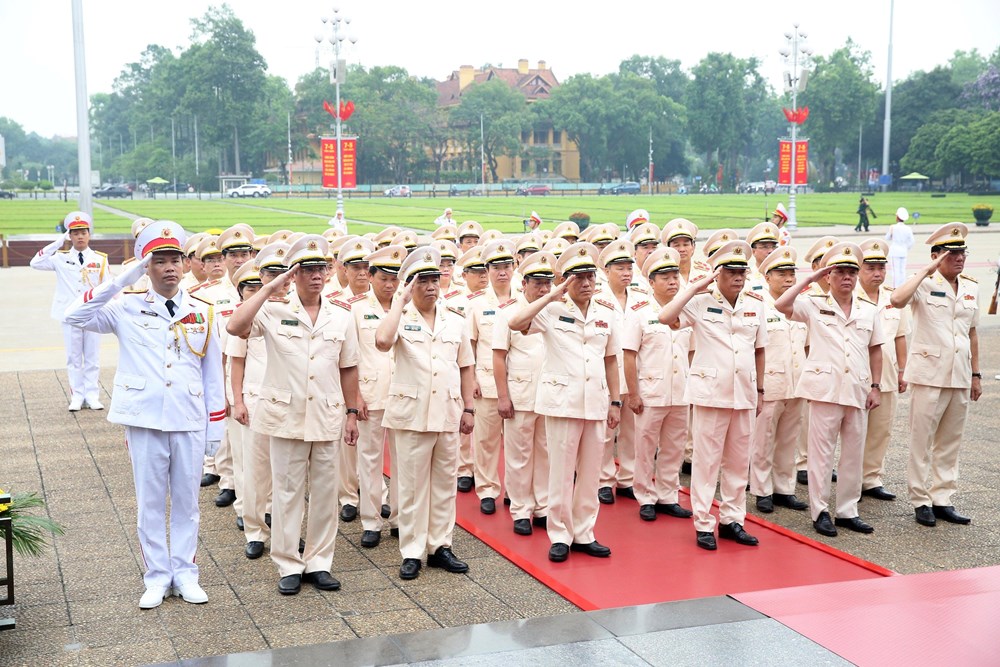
(81, 257)
(170, 307)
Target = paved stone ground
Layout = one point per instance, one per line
(77, 605)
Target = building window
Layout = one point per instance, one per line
(525, 136)
(556, 137)
(525, 166)
(541, 137)
(556, 164)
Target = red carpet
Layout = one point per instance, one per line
(941, 618)
(659, 561)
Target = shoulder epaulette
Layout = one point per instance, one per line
(886, 287)
(135, 291)
(334, 294)
(65, 252)
(702, 265)
(640, 305)
(604, 303)
(867, 300)
(455, 310)
(454, 292)
(473, 295)
(704, 291)
(358, 297)
(102, 254)
(640, 290)
(962, 275)
(338, 302)
(277, 299)
(210, 283)
(753, 295)
(198, 298)
(507, 303)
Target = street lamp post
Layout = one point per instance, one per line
(335, 36)
(796, 54)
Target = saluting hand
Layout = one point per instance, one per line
(560, 290)
(825, 271)
(284, 281)
(407, 294)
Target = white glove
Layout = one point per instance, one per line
(211, 447)
(132, 274)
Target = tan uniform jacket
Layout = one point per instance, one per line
(896, 322)
(374, 367)
(482, 313)
(662, 355)
(786, 354)
(525, 355)
(940, 352)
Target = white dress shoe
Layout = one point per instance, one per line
(75, 404)
(192, 593)
(94, 404)
(153, 597)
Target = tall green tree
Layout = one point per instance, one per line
(504, 116)
(667, 76)
(584, 107)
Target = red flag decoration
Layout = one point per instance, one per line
(785, 162)
(346, 109)
(798, 116)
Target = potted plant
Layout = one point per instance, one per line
(982, 213)
(28, 531)
(582, 220)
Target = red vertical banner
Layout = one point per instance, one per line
(801, 162)
(349, 163)
(784, 162)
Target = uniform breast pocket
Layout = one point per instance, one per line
(519, 385)
(401, 404)
(288, 339)
(775, 381)
(147, 332)
(703, 381)
(566, 327)
(333, 341)
(649, 382)
(923, 364)
(713, 318)
(816, 381)
(450, 341)
(273, 405)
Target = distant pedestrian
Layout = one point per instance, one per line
(900, 239)
(864, 209)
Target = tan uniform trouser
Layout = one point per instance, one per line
(370, 457)
(624, 444)
(660, 433)
(575, 447)
(222, 463)
(256, 479)
(235, 431)
(466, 464)
(826, 422)
(877, 439)
(426, 470)
(526, 465)
(937, 420)
(486, 454)
(802, 447)
(292, 463)
(347, 486)
(721, 454)
(775, 437)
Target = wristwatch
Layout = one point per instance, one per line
(876, 385)
(616, 404)
(978, 375)
(469, 411)
(352, 411)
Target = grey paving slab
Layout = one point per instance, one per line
(376, 651)
(644, 619)
(601, 652)
(758, 642)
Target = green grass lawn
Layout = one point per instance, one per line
(504, 213)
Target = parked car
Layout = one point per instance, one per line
(112, 191)
(398, 191)
(538, 189)
(5, 194)
(181, 187)
(249, 190)
(626, 188)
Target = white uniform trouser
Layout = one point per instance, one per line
(82, 361)
(660, 433)
(622, 441)
(222, 463)
(292, 463)
(826, 422)
(162, 463)
(370, 457)
(937, 420)
(526, 465)
(721, 445)
(775, 436)
(256, 493)
(427, 462)
(575, 447)
(486, 454)
(898, 270)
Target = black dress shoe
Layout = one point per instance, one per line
(558, 552)
(879, 493)
(673, 509)
(239, 523)
(540, 522)
(465, 484)
(595, 549)
(706, 540)
(765, 504)
(225, 498)
(647, 512)
(735, 532)
(488, 506)
(853, 523)
(371, 538)
(790, 501)
(302, 545)
(506, 501)
(948, 513)
(686, 470)
(254, 550)
(522, 527)
(385, 511)
(410, 569)
(267, 519)
(824, 526)
(606, 495)
(925, 517)
(833, 476)
(394, 532)
(446, 560)
(802, 477)
(208, 479)
(348, 513)
(625, 492)
(322, 580)
(290, 585)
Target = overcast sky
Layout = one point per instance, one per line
(435, 37)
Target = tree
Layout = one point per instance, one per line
(641, 110)
(583, 107)
(985, 150)
(667, 76)
(966, 66)
(922, 153)
(984, 92)
(504, 116)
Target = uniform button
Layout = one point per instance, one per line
(435, 373)
(312, 377)
(847, 370)
(675, 356)
(169, 365)
(310, 398)
(312, 356)
(847, 354)
(434, 391)
(168, 384)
